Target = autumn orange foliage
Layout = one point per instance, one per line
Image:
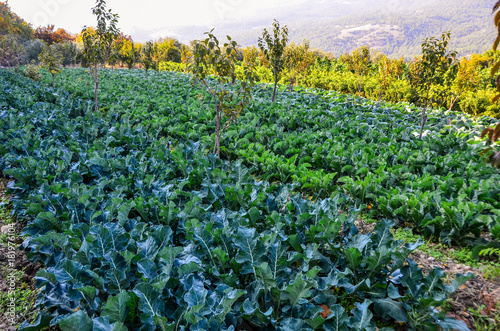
(50, 36)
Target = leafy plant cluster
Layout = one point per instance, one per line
(465, 85)
(330, 143)
(140, 229)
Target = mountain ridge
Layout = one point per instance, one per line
(395, 27)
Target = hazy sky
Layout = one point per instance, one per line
(151, 15)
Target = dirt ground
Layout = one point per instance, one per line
(476, 292)
(20, 262)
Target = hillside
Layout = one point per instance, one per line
(12, 24)
(396, 28)
(400, 33)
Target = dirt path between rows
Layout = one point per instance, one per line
(10, 261)
(475, 293)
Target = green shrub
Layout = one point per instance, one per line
(172, 66)
(32, 71)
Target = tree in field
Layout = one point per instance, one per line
(298, 60)
(251, 56)
(467, 79)
(169, 49)
(273, 46)
(210, 57)
(129, 53)
(389, 70)
(69, 51)
(494, 133)
(186, 54)
(52, 60)
(359, 63)
(97, 42)
(114, 56)
(148, 53)
(11, 51)
(430, 69)
(45, 33)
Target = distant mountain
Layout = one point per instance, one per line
(395, 27)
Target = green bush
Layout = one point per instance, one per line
(32, 71)
(479, 103)
(172, 66)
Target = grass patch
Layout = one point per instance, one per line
(23, 296)
(484, 321)
(488, 263)
(16, 296)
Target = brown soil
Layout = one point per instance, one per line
(19, 263)
(475, 293)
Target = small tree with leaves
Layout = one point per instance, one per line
(359, 63)
(468, 77)
(298, 60)
(11, 51)
(129, 53)
(148, 58)
(429, 70)
(273, 46)
(210, 57)
(494, 133)
(51, 59)
(97, 42)
(389, 70)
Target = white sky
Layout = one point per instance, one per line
(157, 15)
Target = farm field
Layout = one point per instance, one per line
(138, 226)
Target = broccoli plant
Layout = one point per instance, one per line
(97, 42)
(210, 57)
(273, 46)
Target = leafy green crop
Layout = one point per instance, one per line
(330, 144)
(140, 228)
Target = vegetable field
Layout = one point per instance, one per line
(139, 227)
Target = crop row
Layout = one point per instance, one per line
(330, 144)
(139, 231)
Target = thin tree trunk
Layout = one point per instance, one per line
(275, 87)
(53, 81)
(453, 100)
(424, 119)
(424, 113)
(96, 87)
(217, 133)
